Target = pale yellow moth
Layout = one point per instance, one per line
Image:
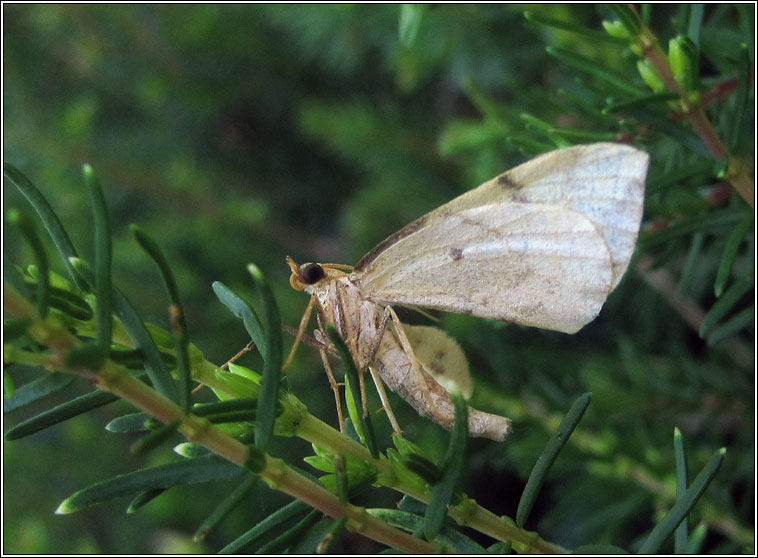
(541, 245)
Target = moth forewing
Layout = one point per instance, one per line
(531, 264)
(605, 182)
(543, 243)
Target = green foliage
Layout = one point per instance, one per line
(240, 133)
(364, 424)
(103, 259)
(42, 290)
(64, 411)
(443, 493)
(272, 369)
(189, 471)
(683, 506)
(548, 456)
(178, 323)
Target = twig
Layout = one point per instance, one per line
(687, 308)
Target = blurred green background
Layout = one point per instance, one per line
(244, 133)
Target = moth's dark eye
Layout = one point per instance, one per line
(313, 273)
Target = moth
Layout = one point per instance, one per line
(540, 245)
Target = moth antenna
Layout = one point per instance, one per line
(338, 266)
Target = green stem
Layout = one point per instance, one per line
(469, 513)
(280, 477)
(484, 521)
(117, 379)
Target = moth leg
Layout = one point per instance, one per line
(374, 349)
(377, 341)
(404, 343)
(413, 362)
(439, 407)
(335, 388)
(300, 332)
(322, 339)
(385, 401)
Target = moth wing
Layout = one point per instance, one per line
(605, 182)
(528, 263)
(441, 357)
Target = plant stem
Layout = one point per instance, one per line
(692, 314)
(525, 542)
(737, 173)
(280, 477)
(469, 513)
(117, 379)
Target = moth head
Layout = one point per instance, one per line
(309, 274)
